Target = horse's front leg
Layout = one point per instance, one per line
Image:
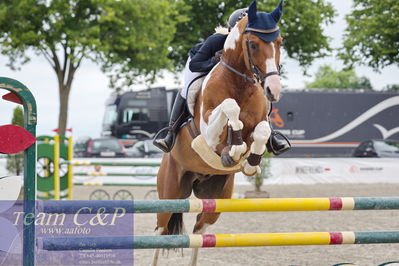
(227, 112)
(260, 135)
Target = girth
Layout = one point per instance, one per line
(192, 128)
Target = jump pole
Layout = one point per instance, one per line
(112, 174)
(222, 205)
(87, 163)
(71, 163)
(70, 170)
(56, 167)
(88, 184)
(219, 240)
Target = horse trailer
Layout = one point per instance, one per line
(331, 123)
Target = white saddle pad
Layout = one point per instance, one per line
(192, 94)
(200, 146)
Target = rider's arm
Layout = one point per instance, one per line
(204, 60)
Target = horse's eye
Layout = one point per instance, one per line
(253, 45)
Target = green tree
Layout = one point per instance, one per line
(131, 38)
(327, 78)
(301, 26)
(391, 87)
(15, 162)
(372, 34)
(128, 38)
(18, 117)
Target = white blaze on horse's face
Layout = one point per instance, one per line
(265, 56)
(272, 82)
(232, 39)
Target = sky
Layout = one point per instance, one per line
(90, 87)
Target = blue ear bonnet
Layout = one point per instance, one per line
(264, 25)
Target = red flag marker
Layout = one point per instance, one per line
(12, 97)
(14, 139)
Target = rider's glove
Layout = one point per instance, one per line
(216, 57)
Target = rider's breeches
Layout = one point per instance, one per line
(188, 77)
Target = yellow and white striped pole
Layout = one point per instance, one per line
(47, 161)
(70, 173)
(56, 167)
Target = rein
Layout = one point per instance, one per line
(246, 77)
(260, 77)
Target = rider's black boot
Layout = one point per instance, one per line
(177, 117)
(277, 143)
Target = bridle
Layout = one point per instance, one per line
(259, 76)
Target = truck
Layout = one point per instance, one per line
(318, 122)
(137, 115)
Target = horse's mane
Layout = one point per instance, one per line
(241, 25)
(221, 30)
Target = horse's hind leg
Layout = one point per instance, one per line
(170, 185)
(155, 256)
(204, 220)
(217, 187)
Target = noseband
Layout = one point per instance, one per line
(259, 76)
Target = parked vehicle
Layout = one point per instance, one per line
(80, 147)
(105, 147)
(377, 148)
(137, 115)
(144, 149)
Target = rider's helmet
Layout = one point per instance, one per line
(236, 16)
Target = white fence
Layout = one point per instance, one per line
(283, 171)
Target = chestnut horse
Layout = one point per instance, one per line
(231, 113)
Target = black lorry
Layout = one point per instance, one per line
(137, 114)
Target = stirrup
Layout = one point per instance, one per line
(270, 145)
(160, 146)
(164, 148)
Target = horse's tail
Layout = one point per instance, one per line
(175, 225)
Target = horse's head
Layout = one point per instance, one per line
(258, 37)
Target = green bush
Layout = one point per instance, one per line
(257, 180)
(15, 162)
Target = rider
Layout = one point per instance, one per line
(202, 58)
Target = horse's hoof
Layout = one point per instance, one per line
(227, 160)
(248, 174)
(250, 170)
(236, 151)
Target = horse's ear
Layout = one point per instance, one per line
(252, 12)
(276, 14)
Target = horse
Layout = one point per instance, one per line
(231, 115)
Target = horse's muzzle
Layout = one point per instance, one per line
(272, 88)
(270, 95)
